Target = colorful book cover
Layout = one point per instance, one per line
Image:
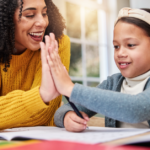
(60, 145)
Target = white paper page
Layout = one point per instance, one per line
(143, 139)
(92, 135)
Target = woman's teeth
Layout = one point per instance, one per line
(36, 34)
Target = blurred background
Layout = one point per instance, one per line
(90, 26)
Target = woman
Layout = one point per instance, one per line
(27, 88)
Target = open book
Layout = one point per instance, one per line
(93, 135)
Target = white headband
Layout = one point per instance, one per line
(136, 13)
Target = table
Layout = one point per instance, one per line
(94, 121)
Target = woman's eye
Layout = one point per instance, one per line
(45, 14)
(131, 45)
(30, 16)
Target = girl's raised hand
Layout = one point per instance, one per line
(48, 90)
(61, 78)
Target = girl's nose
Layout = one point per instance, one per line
(122, 53)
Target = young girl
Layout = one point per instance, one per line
(124, 98)
(26, 88)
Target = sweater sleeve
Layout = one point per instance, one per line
(104, 100)
(18, 105)
(61, 112)
(116, 105)
(26, 108)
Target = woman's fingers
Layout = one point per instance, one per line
(43, 53)
(61, 79)
(52, 38)
(56, 45)
(47, 43)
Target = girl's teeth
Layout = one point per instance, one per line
(123, 64)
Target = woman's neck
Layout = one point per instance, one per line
(18, 52)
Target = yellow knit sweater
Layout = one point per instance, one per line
(20, 101)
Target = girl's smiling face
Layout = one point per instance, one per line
(131, 49)
(30, 29)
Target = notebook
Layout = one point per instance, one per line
(93, 135)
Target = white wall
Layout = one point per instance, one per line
(140, 3)
(112, 15)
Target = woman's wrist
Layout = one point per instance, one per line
(44, 95)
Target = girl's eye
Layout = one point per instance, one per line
(30, 16)
(131, 45)
(116, 46)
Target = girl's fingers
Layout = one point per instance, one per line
(73, 123)
(76, 127)
(66, 70)
(78, 120)
(49, 61)
(85, 116)
(57, 59)
(54, 57)
(54, 43)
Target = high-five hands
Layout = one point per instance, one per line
(48, 90)
(64, 86)
(61, 78)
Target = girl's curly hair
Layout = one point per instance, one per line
(7, 26)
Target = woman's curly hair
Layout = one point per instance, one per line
(7, 26)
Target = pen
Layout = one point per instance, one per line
(74, 108)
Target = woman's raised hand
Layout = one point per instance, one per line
(60, 76)
(48, 90)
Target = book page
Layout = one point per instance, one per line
(93, 135)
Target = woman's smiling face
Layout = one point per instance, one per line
(30, 29)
